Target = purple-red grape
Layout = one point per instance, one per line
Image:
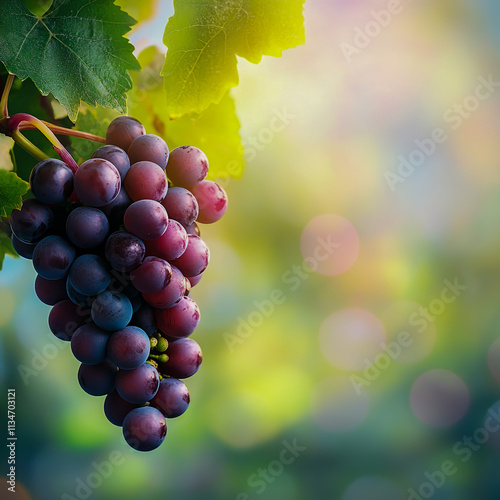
(171, 294)
(149, 147)
(139, 385)
(181, 205)
(51, 181)
(184, 359)
(153, 275)
(172, 398)
(31, 222)
(53, 257)
(187, 166)
(145, 428)
(147, 219)
(87, 227)
(97, 182)
(212, 201)
(180, 320)
(124, 251)
(115, 155)
(129, 347)
(123, 130)
(146, 181)
(171, 245)
(195, 259)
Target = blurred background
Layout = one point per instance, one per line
(350, 311)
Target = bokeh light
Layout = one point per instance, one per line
(373, 488)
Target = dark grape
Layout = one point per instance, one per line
(111, 311)
(51, 181)
(116, 156)
(172, 293)
(193, 229)
(153, 275)
(195, 259)
(145, 428)
(172, 398)
(116, 209)
(53, 257)
(212, 200)
(64, 319)
(180, 320)
(84, 301)
(116, 408)
(187, 166)
(31, 222)
(87, 227)
(181, 205)
(146, 181)
(147, 219)
(25, 250)
(171, 244)
(184, 359)
(89, 343)
(97, 380)
(144, 318)
(123, 130)
(89, 275)
(97, 182)
(149, 147)
(124, 251)
(138, 385)
(129, 348)
(50, 292)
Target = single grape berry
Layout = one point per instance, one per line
(116, 156)
(51, 181)
(195, 259)
(116, 408)
(129, 348)
(146, 181)
(151, 148)
(87, 227)
(171, 294)
(212, 201)
(50, 292)
(171, 244)
(89, 343)
(124, 251)
(144, 429)
(111, 311)
(153, 275)
(181, 205)
(147, 219)
(187, 166)
(184, 359)
(65, 318)
(138, 385)
(180, 320)
(97, 182)
(32, 222)
(97, 380)
(123, 130)
(53, 257)
(172, 398)
(144, 318)
(89, 275)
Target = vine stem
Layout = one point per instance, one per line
(56, 129)
(14, 125)
(4, 111)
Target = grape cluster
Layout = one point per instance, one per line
(117, 250)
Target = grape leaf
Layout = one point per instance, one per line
(205, 36)
(141, 11)
(6, 248)
(76, 51)
(215, 130)
(12, 189)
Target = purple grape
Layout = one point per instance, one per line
(172, 398)
(145, 428)
(149, 147)
(116, 156)
(50, 292)
(212, 201)
(181, 205)
(51, 181)
(173, 292)
(180, 320)
(111, 311)
(25, 250)
(53, 257)
(87, 227)
(116, 209)
(79, 299)
(31, 222)
(193, 229)
(147, 219)
(171, 245)
(89, 275)
(97, 380)
(184, 359)
(144, 318)
(194, 280)
(89, 343)
(138, 385)
(153, 275)
(146, 181)
(124, 251)
(187, 166)
(195, 259)
(97, 182)
(129, 348)
(64, 319)
(116, 408)
(123, 130)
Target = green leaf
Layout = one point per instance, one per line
(6, 248)
(215, 131)
(141, 11)
(76, 50)
(12, 189)
(205, 36)
(6, 145)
